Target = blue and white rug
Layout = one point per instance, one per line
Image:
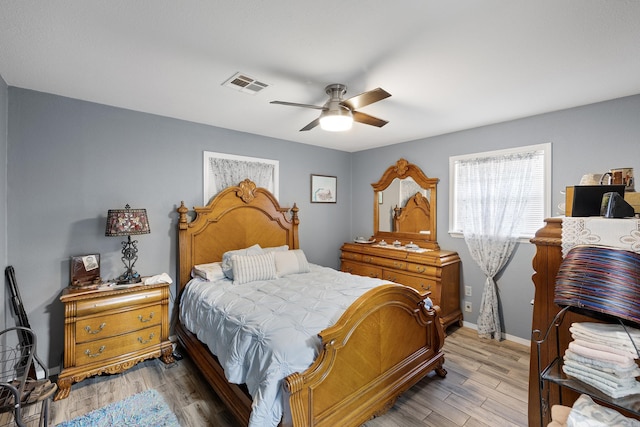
(140, 410)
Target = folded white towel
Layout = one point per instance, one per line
(615, 392)
(610, 330)
(609, 379)
(611, 349)
(584, 349)
(622, 370)
(610, 334)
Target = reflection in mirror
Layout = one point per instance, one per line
(405, 205)
(394, 198)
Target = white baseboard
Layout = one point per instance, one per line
(507, 337)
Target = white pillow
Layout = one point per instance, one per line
(210, 272)
(227, 268)
(291, 262)
(276, 248)
(585, 412)
(249, 268)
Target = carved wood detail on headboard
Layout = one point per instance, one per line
(238, 217)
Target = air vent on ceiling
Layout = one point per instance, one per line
(245, 84)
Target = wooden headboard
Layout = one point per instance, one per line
(413, 217)
(236, 218)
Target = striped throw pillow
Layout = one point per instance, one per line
(249, 268)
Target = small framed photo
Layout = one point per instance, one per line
(85, 270)
(324, 189)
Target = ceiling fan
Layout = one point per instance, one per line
(339, 114)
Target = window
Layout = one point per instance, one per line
(489, 175)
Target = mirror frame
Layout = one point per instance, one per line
(403, 169)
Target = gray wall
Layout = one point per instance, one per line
(4, 105)
(70, 161)
(592, 138)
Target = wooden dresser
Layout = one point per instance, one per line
(109, 331)
(435, 271)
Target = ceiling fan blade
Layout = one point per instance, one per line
(368, 120)
(366, 98)
(311, 125)
(294, 104)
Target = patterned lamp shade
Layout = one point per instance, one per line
(601, 280)
(127, 222)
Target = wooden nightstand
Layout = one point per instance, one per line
(109, 331)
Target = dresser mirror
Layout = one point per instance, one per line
(404, 206)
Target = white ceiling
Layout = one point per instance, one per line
(449, 65)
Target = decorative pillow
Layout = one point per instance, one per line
(585, 412)
(276, 248)
(291, 262)
(249, 268)
(210, 272)
(227, 268)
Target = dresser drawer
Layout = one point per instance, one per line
(421, 284)
(351, 256)
(100, 350)
(361, 269)
(385, 262)
(99, 327)
(427, 270)
(86, 307)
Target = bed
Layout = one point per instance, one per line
(383, 343)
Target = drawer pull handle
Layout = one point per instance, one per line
(398, 265)
(92, 332)
(145, 320)
(367, 259)
(142, 341)
(426, 287)
(89, 354)
(421, 269)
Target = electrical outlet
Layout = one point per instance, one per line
(467, 291)
(467, 306)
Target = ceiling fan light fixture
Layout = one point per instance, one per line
(339, 120)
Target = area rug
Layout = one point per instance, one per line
(140, 410)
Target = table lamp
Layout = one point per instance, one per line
(128, 222)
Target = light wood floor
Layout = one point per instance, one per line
(486, 385)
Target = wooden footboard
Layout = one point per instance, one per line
(382, 345)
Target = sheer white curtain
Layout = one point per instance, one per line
(230, 172)
(494, 202)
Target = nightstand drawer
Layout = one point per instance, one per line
(99, 327)
(85, 307)
(99, 350)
